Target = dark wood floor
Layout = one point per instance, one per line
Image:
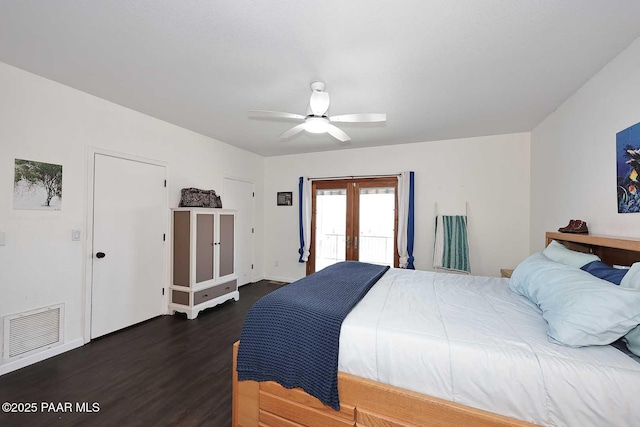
(168, 371)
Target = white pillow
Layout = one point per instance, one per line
(559, 253)
(632, 279)
(580, 309)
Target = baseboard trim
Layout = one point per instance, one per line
(35, 358)
(253, 280)
(280, 279)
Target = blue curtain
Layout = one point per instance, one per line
(410, 223)
(301, 250)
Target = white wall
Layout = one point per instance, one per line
(46, 121)
(573, 159)
(490, 173)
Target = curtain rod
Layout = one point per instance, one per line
(352, 177)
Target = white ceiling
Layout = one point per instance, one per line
(440, 69)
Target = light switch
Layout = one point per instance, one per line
(3, 238)
(75, 235)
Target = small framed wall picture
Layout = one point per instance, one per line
(285, 198)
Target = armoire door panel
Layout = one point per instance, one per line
(181, 253)
(227, 261)
(204, 247)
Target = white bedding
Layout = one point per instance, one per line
(470, 340)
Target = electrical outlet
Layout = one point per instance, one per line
(75, 235)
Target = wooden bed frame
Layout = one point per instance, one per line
(367, 403)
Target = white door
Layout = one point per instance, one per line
(128, 248)
(238, 195)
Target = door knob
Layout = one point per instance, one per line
(100, 255)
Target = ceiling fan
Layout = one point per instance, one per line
(316, 120)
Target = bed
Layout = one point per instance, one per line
(501, 371)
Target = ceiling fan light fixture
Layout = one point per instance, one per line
(316, 125)
(316, 120)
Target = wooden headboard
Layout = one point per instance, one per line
(611, 250)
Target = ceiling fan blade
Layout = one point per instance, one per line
(275, 114)
(294, 130)
(360, 118)
(337, 133)
(319, 103)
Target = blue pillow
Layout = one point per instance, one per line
(579, 308)
(605, 272)
(633, 340)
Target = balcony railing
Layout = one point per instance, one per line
(330, 248)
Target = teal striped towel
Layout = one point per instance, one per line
(451, 249)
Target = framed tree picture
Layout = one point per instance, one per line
(37, 185)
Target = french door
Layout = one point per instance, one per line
(353, 219)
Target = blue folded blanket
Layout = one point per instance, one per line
(292, 335)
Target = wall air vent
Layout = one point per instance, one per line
(32, 331)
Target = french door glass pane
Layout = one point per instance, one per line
(331, 214)
(377, 220)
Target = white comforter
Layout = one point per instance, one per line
(471, 340)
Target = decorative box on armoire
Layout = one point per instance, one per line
(203, 259)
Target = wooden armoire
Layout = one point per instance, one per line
(203, 259)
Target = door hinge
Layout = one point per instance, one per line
(254, 194)
(165, 182)
(164, 237)
(252, 266)
(162, 291)
(252, 230)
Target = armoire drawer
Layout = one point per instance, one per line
(214, 292)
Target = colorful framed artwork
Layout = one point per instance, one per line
(628, 168)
